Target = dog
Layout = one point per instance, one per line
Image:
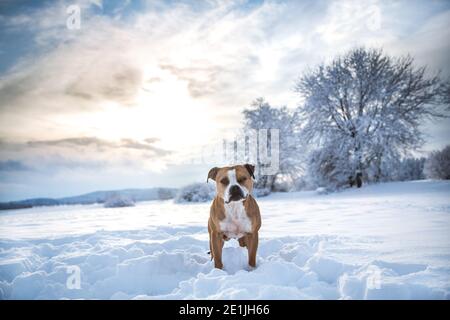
(234, 212)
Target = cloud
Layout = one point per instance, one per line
(76, 76)
(102, 145)
(202, 81)
(13, 165)
(144, 63)
(122, 85)
(87, 155)
(225, 52)
(83, 141)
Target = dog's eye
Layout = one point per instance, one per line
(225, 181)
(242, 180)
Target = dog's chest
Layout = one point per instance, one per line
(236, 222)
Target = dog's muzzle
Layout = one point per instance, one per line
(235, 193)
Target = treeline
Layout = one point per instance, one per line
(359, 120)
(102, 197)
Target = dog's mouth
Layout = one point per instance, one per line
(235, 197)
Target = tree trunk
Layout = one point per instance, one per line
(359, 179)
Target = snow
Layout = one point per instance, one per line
(386, 241)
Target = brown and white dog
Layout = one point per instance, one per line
(234, 212)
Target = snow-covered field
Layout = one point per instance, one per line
(389, 241)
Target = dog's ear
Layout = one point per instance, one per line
(251, 169)
(212, 174)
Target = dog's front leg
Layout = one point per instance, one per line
(252, 246)
(217, 245)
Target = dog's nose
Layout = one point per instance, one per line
(235, 193)
(235, 189)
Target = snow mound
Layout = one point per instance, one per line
(180, 268)
(322, 190)
(381, 280)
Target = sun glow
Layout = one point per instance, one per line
(163, 109)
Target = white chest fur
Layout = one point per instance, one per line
(236, 222)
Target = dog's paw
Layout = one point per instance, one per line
(250, 268)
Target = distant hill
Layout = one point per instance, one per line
(94, 197)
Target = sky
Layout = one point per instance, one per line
(141, 88)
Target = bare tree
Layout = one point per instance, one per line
(368, 107)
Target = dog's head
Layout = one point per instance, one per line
(233, 183)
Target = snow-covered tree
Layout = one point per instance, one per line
(365, 108)
(327, 167)
(409, 169)
(437, 165)
(118, 201)
(196, 192)
(261, 115)
(166, 193)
